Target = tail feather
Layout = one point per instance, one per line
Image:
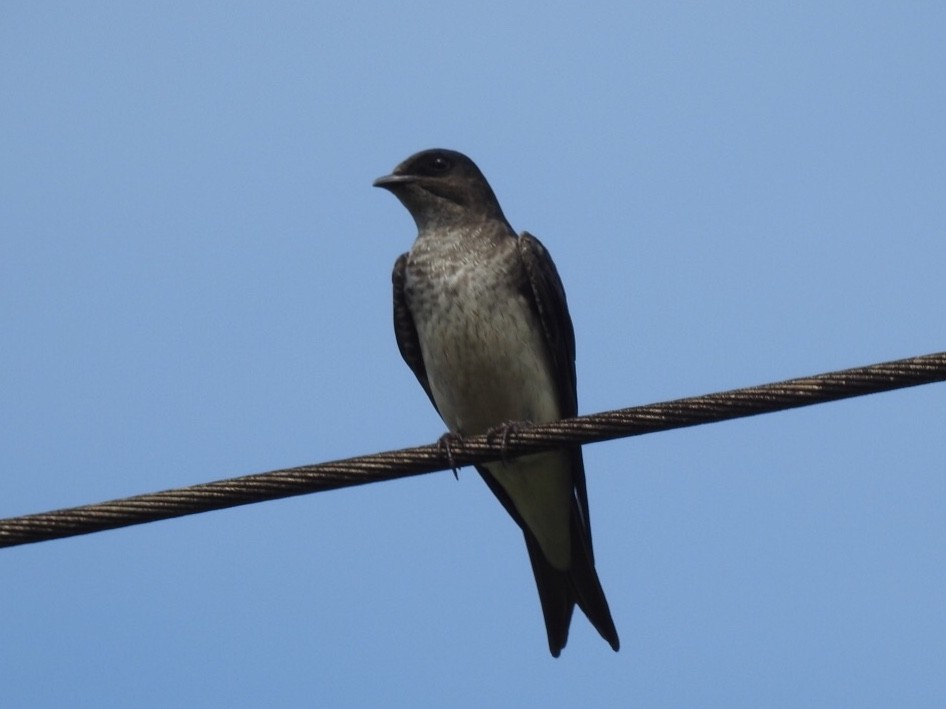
(554, 594)
(560, 591)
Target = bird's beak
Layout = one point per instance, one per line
(391, 181)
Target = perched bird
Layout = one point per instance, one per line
(481, 319)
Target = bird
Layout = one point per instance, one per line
(481, 319)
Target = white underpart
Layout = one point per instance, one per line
(484, 352)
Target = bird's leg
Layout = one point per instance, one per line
(506, 429)
(444, 443)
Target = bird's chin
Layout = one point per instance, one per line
(444, 192)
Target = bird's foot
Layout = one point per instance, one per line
(505, 430)
(444, 443)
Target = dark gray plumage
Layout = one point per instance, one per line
(481, 319)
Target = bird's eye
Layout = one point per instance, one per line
(440, 164)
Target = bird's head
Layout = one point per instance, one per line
(441, 186)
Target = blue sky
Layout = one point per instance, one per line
(195, 284)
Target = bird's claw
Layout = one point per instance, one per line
(505, 430)
(444, 445)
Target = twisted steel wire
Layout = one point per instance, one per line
(609, 425)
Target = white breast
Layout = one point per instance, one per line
(484, 352)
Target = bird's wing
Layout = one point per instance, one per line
(543, 288)
(406, 332)
(546, 294)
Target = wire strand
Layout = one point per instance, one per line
(621, 423)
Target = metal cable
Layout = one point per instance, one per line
(609, 425)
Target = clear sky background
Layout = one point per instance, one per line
(195, 284)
